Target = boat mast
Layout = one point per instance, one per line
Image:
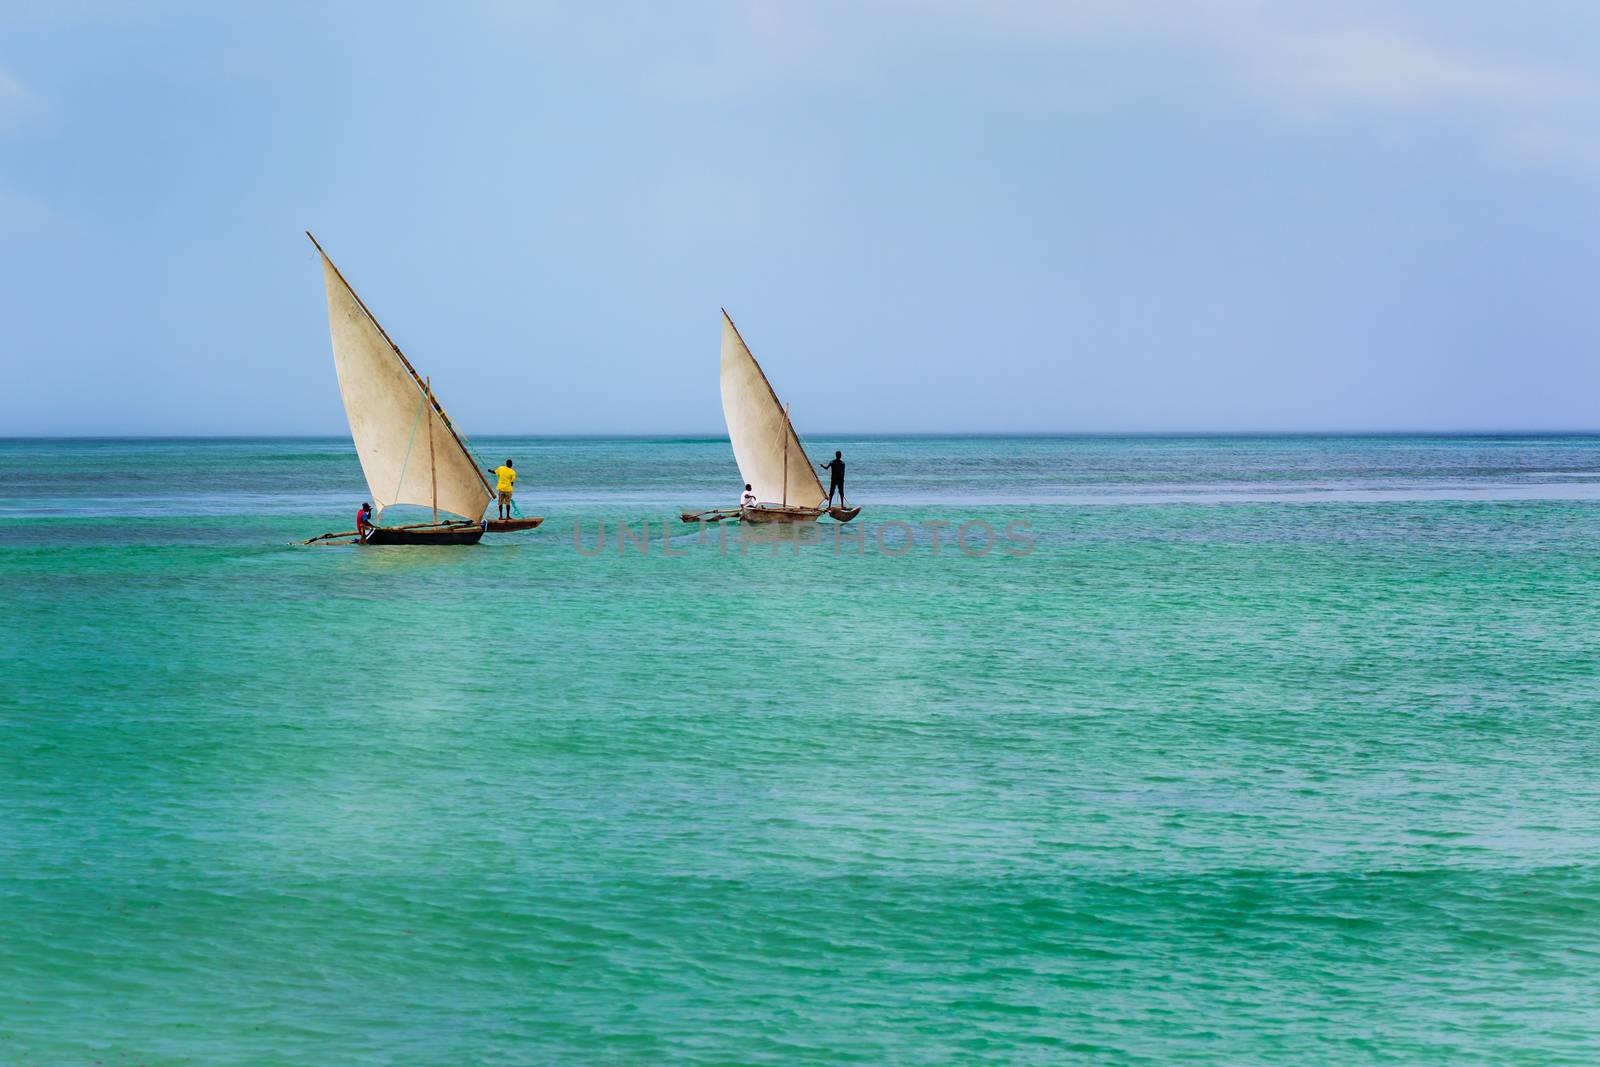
(787, 425)
(433, 470)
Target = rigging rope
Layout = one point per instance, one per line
(406, 460)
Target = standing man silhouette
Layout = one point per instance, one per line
(835, 477)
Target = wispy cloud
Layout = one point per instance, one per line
(17, 102)
(1312, 60)
(1310, 51)
(18, 106)
(766, 201)
(21, 214)
(1380, 67)
(1522, 113)
(1293, 58)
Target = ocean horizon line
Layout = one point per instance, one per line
(1486, 434)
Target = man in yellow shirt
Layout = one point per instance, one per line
(508, 481)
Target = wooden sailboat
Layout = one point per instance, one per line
(410, 451)
(769, 453)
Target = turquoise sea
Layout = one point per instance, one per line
(1239, 750)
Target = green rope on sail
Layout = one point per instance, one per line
(406, 460)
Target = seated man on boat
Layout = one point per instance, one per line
(363, 520)
(835, 471)
(748, 500)
(507, 478)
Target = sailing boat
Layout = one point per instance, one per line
(769, 453)
(410, 451)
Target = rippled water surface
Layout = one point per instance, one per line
(1235, 750)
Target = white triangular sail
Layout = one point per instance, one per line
(764, 441)
(392, 415)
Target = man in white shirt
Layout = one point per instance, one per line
(749, 498)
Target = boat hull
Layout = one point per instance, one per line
(783, 514)
(774, 513)
(462, 534)
(453, 533)
(780, 514)
(512, 525)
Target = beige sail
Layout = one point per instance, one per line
(761, 433)
(391, 417)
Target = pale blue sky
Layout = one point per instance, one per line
(945, 216)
